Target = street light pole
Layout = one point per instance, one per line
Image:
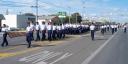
(36, 10)
(69, 15)
(36, 7)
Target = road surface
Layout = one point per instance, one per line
(79, 49)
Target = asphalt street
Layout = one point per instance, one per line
(74, 50)
(115, 52)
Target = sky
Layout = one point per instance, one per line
(114, 9)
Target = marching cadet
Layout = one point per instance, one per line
(63, 31)
(116, 28)
(29, 31)
(105, 28)
(43, 30)
(112, 27)
(5, 30)
(33, 28)
(49, 29)
(92, 29)
(54, 31)
(108, 27)
(59, 32)
(37, 31)
(102, 29)
(125, 28)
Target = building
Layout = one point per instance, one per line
(17, 21)
(1, 18)
(49, 18)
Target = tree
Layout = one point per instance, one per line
(76, 18)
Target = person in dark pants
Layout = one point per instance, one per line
(125, 28)
(63, 31)
(5, 41)
(102, 29)
(112, 29)
(49, 29)
(54, 32)
(37, 31)
(59, 31)
(28, 35)
(33, 28)
(43, 30)
(92, 29)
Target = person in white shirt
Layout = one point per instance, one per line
(33, 28)
(37, 27)
(29, 31)
(92, 29)
(102, 29)
(49, 29)
(63, 30)
(59, 31)
(125, 28)
(54, 31)
(112, 27)
(105, 28)
(5, 30)
(43, 30)
(108, 27)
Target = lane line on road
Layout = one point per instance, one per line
(62, 57)
(92, 56)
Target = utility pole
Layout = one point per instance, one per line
(69, 15)
(36, 6)
(76, 17)
(83, 2)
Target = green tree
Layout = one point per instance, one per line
(76, 18)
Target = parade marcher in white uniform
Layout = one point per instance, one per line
(33, 28)
(54, 34)
(5, 30)
(37, 27)
(43, 30)
(29, 31)
(102, 29)
(63, 30)
(112, 29)
(125, 28)
(92, 29)
(49, 29)
(59, 31)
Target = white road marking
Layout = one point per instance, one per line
(42, 57)
(88, 59)
(46, 58)
(25, 58)
(62, 57)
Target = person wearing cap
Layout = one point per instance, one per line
(49, 30)
(43, 30)
(5, 33)
(92, 29)
(37, 31)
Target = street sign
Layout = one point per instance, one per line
(62, 14)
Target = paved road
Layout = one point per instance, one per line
(69, 51)
(115, 52)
